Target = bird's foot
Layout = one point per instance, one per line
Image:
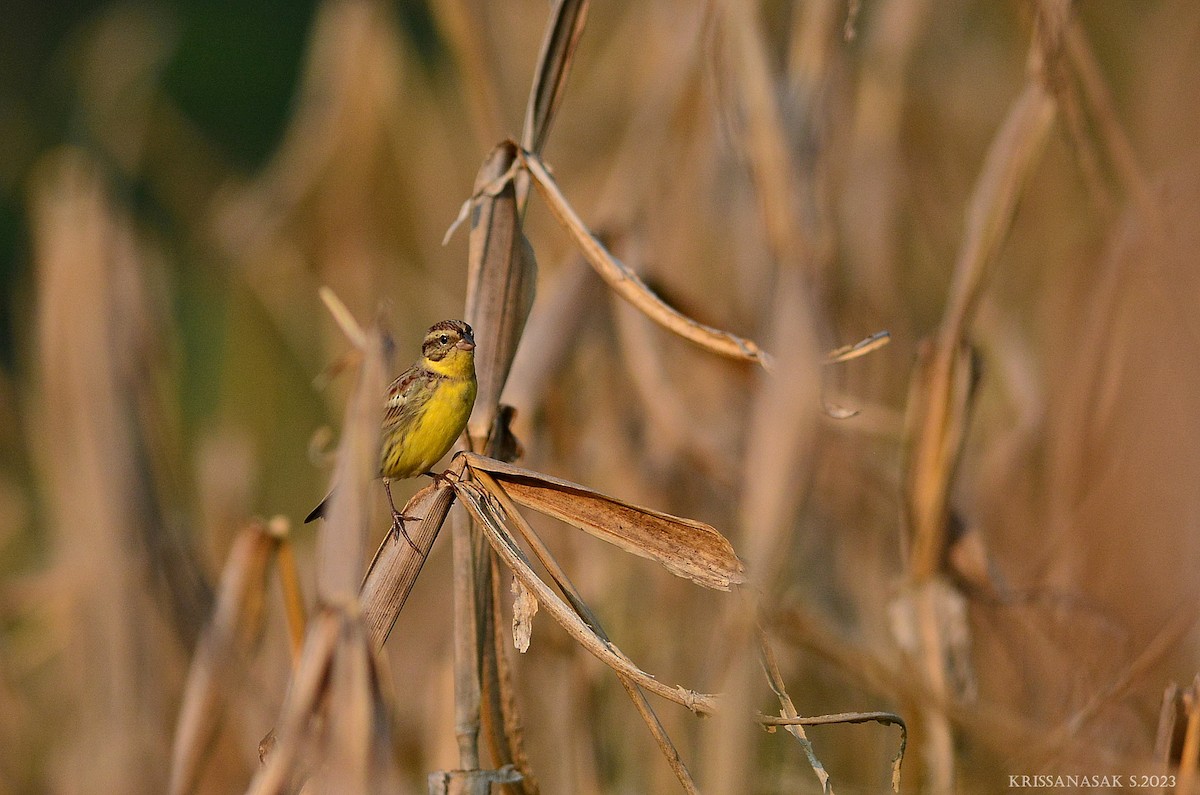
(398, 529)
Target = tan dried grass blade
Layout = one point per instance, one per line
(501, 280)
(394, 569)
(628, 284)
(686, 548)
(554, 64)
(341, 539)
(235, 625)
(477, 503)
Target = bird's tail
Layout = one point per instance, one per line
(319, 511)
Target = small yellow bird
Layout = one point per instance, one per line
(427, 408)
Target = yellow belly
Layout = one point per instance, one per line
(433, 433)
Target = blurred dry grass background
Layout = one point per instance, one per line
(176, 183)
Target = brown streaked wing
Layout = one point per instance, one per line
(405, 396)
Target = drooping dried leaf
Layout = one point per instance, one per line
(628, 284)
(501, 279)
(687, 548)
(492, 523)
(564, 585)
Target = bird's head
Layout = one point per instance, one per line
(449, 348)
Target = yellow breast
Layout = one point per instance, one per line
(433, 432)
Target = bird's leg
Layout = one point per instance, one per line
(398, 519)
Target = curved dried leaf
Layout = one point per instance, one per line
(475, 500)
(628, 284)
(685, 547)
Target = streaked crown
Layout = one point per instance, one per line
(445, 337)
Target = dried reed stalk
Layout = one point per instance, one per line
(940, 396)
(222, 653)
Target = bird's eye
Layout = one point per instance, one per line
(444, 339)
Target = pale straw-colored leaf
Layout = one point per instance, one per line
(687, 548)
(477, 503)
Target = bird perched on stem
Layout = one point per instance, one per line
(427, 408)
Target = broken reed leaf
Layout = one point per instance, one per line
(860, 348)
(394, 569)
(487, 514)
(501, 280)
(525, 607)
(628, 284)
(236, 622)
(566, 24)
(686, 548)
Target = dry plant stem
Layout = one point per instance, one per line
(1191, 740)
(393, 571)
(229, 637)
(1112, 135)
(542, 553)
(627, 284)
(467, 636)
(298, 706)
(786, 708)
(940, 407)
(886, 718)
(563, 29)
(506, 742)
(476, 501)
(567, 19)
(293, 594)
(341, 539)
(501, 279)
(1010, 157)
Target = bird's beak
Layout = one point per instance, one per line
(465, 344)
